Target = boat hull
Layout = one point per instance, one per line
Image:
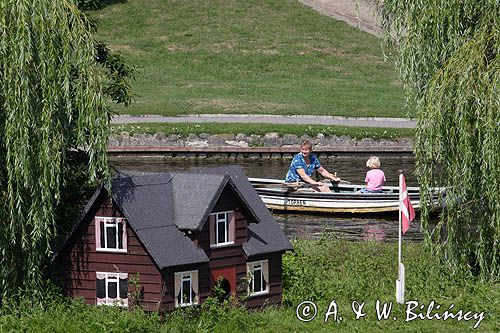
(343, 199)
(330, 205)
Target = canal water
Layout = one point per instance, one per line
(306, 226)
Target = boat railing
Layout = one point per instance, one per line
(279, 182)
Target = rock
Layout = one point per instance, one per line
(271, 140)
(305, 137)
(192, 137)
(220, 139)
(197, 143)
(405, 141)
(174, 140)
(290, 140)
(241, 137)
(345, 138)
(218, 156)
(173, 137)
(275, 156)
(140, 136)
(113, 142)
(118, 138)
(271, 135)
(254, 140)
(124, 139)
(266, 156)
(235, 143)
(367, 142)
(385, 143)
(204, 136)
(159, 136)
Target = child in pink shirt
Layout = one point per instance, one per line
(375, 178)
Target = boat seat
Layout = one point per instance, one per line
(308, 190)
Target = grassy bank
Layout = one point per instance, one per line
(255, 56)
(185, 129)
(320, 271)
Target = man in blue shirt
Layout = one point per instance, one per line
(303, 166)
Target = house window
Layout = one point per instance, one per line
(112, 289)
(111, 234)
(258, 274)
(186, 288)
(222, 226)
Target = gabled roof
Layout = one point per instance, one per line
(194, 196)
(265, 236)
(159, 206)
(147, 201)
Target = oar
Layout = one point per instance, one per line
(342, 181)
(328, 182)
(293, 185)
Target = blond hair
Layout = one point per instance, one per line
(306, 143)
(373, 162)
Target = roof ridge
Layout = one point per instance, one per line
(157, 227)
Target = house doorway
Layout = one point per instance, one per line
(222, 289)
(228, 280)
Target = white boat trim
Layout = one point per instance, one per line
(286, 199)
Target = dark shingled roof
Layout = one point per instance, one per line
(194, 197)
(265, 236)
(169, 247)
(148, 204)
(158, 206)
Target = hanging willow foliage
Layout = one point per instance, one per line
(51, 103)
(447, 54)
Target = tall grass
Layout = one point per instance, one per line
(321, 271)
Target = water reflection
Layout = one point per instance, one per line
(350, 168)
(374, 232)
(378, 228)
(383, 228)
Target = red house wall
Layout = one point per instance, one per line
(275, 282)
(80, 261)
(227, 258)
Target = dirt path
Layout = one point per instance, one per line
(271, 119)
(358, 13)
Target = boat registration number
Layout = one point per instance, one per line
(295, 202)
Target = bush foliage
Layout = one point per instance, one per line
(320, 270)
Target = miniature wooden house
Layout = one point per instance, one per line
(163, 240)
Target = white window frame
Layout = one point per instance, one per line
(109, 221)
(226, 228)
(186, 276)
(252, 270)
(118, 301)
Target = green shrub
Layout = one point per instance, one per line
(319, 270)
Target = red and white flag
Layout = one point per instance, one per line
(406, 209)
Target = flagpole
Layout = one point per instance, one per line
(400, 227)
(400, 282)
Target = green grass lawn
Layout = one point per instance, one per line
(320, 271)
(252, 57)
